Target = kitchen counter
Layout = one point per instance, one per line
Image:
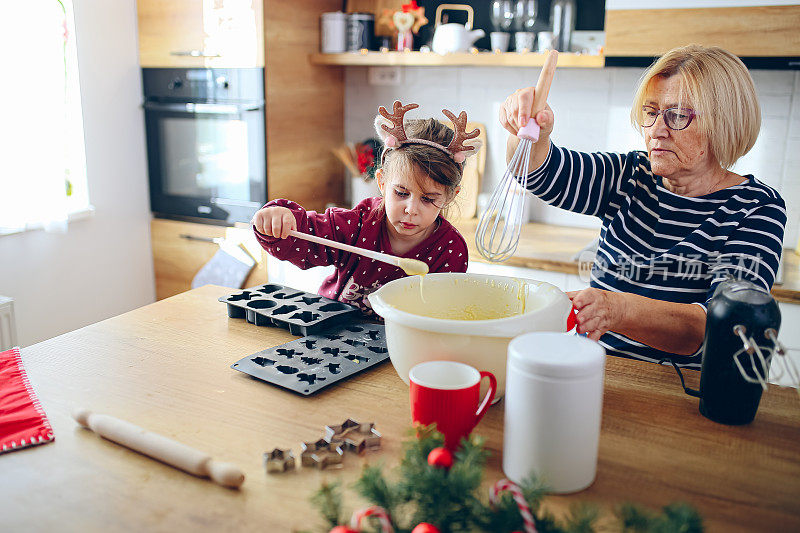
(548, 247)
(166, 367)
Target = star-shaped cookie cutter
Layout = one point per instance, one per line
(321, 454)
(354, 436)
(279, 460)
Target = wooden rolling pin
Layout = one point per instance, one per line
(159, 447)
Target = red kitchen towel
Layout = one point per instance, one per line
(22, 419)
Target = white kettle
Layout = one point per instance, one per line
(449, 38)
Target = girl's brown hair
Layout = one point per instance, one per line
(421, 159)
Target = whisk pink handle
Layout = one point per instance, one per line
(529, 131)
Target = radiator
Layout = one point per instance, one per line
(8, 327)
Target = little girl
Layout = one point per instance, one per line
(420, 173)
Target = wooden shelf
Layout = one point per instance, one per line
(430, 59)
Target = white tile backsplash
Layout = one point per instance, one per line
(775, 105)
(773, 81)
(592, 109)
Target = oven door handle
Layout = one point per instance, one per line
(205, 109)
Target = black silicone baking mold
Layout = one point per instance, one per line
(302, 313)
(317, 361)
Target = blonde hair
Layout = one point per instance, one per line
(719, 88)
(426, 160)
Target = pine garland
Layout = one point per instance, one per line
(449, 498)
(328, 500)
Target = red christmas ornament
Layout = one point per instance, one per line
(343, 529)
(440, 458)
(411, 6)
(424, 527)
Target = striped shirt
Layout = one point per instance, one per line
(661, 245)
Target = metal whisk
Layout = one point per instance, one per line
(497, 236)
(498, 231)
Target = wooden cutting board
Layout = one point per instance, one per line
(467, 202)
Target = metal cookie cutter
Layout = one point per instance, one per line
(279, 460)
(354, 436)
(321, 454)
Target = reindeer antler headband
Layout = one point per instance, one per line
(391, 131)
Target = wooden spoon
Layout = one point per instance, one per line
(409, 266)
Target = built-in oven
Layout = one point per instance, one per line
(206, 146)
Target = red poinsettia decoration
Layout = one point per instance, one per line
(365, 157)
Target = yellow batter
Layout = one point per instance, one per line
(477, 311)
(472, 312)
(413, 266)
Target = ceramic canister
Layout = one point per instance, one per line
(554, 399)
(333, 33)
(360, 31)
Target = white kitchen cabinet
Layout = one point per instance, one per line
(565, 282)
(559, 279)
(285, 273)
(790, 337)
(790, 319)
(790, 313)
(180, 249)
(575, 283)
(309, 280)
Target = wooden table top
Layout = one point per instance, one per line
(166, 367)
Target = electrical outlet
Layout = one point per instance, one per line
(385, 76)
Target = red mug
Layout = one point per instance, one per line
(447, 393)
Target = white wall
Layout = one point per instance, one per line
(102, 266)
(592, 108)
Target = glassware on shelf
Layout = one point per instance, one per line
(502, 16)
(525, 15)
(523, 41)
(499, 41)
(562, 20)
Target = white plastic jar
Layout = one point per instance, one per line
(554, 401)
(333, 33)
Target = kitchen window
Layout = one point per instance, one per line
(43, 169)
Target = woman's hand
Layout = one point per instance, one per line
(599, 311)
(274, 221)
(516, 110)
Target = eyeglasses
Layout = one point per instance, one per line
(676, 118)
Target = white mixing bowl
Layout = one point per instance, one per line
(457, 321)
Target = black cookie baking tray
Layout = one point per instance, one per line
(314, 362)
(302, 313)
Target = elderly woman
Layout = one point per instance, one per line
(675, 219)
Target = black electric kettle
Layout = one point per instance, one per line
(741, 337)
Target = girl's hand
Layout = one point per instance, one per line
(274, 221)
(516, 110)
(599, 311)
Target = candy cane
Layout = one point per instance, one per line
(376, 511)
(524, 510)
